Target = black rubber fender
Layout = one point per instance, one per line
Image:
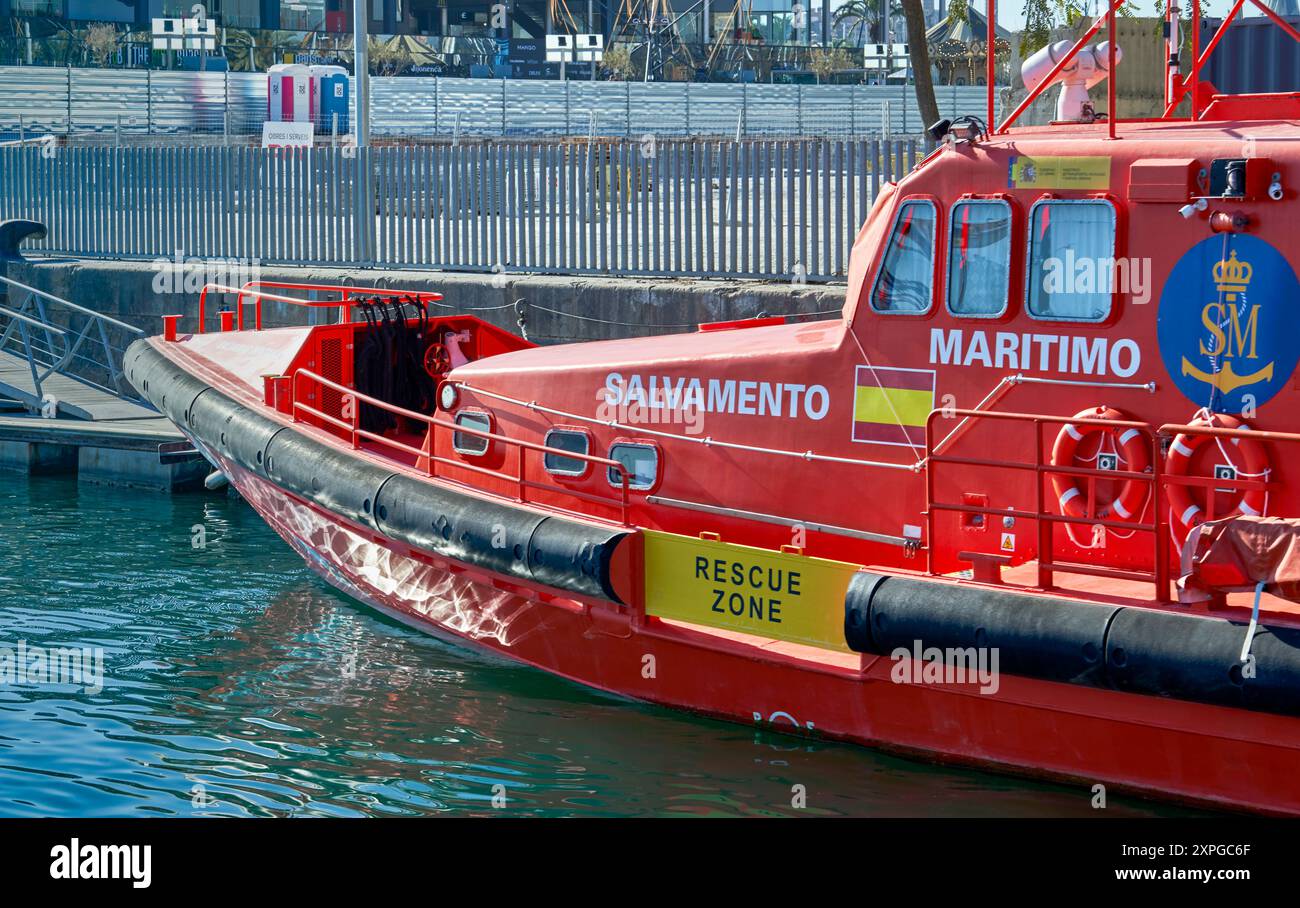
(164, 384)
(340, 482)
(459, 526)
(1191, 657)
(574, 556)
(1036, 636)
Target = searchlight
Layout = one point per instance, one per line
(1086, 70)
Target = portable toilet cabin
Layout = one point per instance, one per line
(289, 93)
(331, 97)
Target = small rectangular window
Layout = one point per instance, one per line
(464, 442)
(1071, 260)
(570, 440)
(979, 258)
(906, 275)
(641, 463)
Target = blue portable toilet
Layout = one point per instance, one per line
(333, 94)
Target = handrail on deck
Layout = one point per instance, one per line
(427, 458)
(254, 289)
(81, 332)
(60, 301)
(1043, 518)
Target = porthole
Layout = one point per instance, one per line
(466, 443)
(641, 461)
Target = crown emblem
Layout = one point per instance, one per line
(1232, 276)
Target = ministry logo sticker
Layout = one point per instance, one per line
(1226, 323)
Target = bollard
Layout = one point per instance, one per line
(227, 320)
(170, 323)
(268, 390)
(277, 393)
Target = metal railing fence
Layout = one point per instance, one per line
(56, 336)
(770, 209)
(133, 106)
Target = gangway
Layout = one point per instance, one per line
(61, 359)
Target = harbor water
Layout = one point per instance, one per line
(234, 683)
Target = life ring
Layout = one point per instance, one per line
(1132, 449)
(1185, 507)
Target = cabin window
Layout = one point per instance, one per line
(1071, 260)
(640, 461)
(979, 258)
(906, 275)
(572, 440)
(464, 442)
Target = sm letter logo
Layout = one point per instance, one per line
(1225, 322)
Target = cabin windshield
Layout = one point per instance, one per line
(907, 272)
(1071, 251)
(979, 258)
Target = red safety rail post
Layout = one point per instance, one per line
(1196, 54)
(990, 54)
(1060, 65)
(1194, 76)
(1112, 111)
(427, 451)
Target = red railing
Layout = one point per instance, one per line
(257, 291)
(1045, 519)
(1210, 483)
(428, 460)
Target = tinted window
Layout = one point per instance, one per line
(979, 258)
(1071, 260)
(471, 444)
(566, 440)
(641, 462)
(907, 271)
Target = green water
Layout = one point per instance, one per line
(237, 683)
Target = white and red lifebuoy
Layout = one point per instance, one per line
(1130, 446)
(1187, 503)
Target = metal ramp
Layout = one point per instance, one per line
(61, 359)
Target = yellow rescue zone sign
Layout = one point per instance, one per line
(740, 588)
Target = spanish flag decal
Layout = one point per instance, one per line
(890, 406)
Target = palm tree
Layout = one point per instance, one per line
(919, 51)
(861, 15)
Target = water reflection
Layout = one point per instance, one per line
(236, 683)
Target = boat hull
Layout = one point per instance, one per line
(1187, 752)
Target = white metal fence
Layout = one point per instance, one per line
(106, 104)
(774, 209)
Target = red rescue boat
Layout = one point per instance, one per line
(1028, 503)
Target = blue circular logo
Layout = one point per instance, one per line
(1227, 321)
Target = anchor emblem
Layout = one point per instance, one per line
(1226, 380)
(1228, 337)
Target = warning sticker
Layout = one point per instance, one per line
(1008, 542)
